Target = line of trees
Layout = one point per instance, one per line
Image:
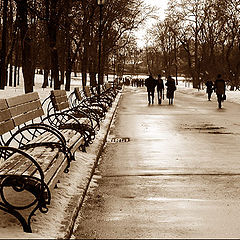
(61, 36)
(198, 38)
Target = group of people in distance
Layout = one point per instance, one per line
(219, 87)
(152, 83)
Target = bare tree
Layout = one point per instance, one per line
(3, 66)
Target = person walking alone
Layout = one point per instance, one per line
(171, 87)
(160, 89)
(220, 88)
(150, 83)
(209, 85)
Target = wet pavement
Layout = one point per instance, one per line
(177, 176)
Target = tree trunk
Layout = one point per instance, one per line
(93, 79)
(52, 26)
(16, 63)
(69, 63)
(68, 73)
(18, 76)
(85, 56)
(54, 62)
(75, 69)
(11, 73)
(45, 78)
(62, 76)
(68, 80)
(3, 67)
(15, 76)
(92, 66)
(26, 41)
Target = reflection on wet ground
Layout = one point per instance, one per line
(177, 177)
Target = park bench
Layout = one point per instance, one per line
(76, 99)
(103, 93)
(111, 89)
(33, 156)
(93, 97)
(58, 103)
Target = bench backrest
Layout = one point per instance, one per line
(59, 99)
(78, 94)
(6, 122)
(25, 108)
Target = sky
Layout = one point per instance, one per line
(161, 5)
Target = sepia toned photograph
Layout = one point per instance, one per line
(119, 119)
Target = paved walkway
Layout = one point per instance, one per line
(177, 177)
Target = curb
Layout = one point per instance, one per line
(69, 224)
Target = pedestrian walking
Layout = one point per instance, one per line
(171, 87)
(209, 85)
(220, 88)
(150, 83)
(160, 89)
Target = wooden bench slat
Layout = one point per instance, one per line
(3, 104)
(13, 162)
(6, 126)
(27, 117)
(21, 167)
(18, 165)
(36, 154)
(69, 135)
(75, 142)
(56, 162)
(62, 106)
(44, 156)
(18, 100)
(58, 92)
(51, 180)
(26, 107)
(44, 159)
(62, 98)
(4, 115)
(59, 166)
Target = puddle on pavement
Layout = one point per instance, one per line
(205, 128)
(163, 199)
(220, 132)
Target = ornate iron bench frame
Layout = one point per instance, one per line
(59, 111)
(93, 97)
(77, 100)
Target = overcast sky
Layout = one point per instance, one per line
(161, 5)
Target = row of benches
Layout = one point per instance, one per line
(37, 147)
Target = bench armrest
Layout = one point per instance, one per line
(56, 119)
(20, 183)
(23, 137)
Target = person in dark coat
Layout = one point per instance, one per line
(220, 88)
(160, 89)
(150, 83)
(209, 85)
(171, 87)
